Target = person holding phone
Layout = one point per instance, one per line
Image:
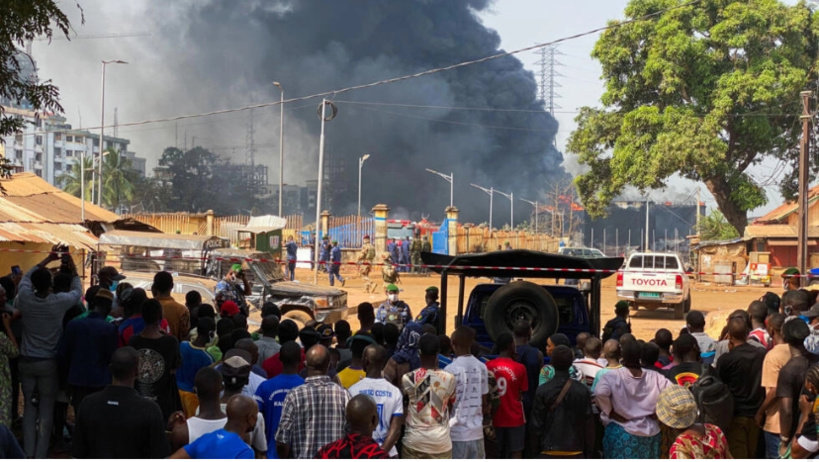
(42, 313)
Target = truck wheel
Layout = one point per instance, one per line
(299, 317)
(688, 304)
(679, 310)
(522, 300)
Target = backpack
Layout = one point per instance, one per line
(714, 401)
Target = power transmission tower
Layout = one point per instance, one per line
(548, 77)
(250, 156)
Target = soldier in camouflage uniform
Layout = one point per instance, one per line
(388, 272)
(426, 246)
(365, 259)
(415, 255)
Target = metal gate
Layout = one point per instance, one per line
(440, 239)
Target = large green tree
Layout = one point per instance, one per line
(118, 187)
(71, 177)
(703, 91)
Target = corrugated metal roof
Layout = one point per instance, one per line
(47, 233)
(787, 231)
(780, 213)
(30, 199)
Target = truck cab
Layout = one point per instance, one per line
(493, 309)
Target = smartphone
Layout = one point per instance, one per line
(15, 270)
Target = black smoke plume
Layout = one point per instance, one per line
(212, 54)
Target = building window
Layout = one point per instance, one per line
(69, 138)
(18, 138)
(58, 152)
(69, 168)
(58, 137)
(38, 140)
(18, 154)
(69, 153)
(78, 139)
(38, 157)
(58, 166)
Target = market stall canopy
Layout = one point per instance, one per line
(264, 224)
(163, 241)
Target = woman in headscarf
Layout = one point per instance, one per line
(406, 357)
(627, 399)
(677, 411)
(548, 372)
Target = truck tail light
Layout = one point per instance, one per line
(619, 279)
(678, 282)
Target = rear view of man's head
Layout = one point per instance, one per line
(124, 366)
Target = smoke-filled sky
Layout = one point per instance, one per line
(195, 56)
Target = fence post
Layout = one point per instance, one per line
(452, 216)
(380, 213)
(209, 223)
(325, 223)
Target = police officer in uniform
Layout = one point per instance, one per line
(393, 310)
(365, 258)
(415, 255)
(430, 314)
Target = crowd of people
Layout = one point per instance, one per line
(148, 377)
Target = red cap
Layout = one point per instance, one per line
(229, 309)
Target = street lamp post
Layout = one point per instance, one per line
(324, 118)
(537, 209)
(511, 197)
(491, 192)
(102, 135)
(451, 179)
(281, 145)
(360, 164)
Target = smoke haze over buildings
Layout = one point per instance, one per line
(214, 54)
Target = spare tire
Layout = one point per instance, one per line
(522, 300)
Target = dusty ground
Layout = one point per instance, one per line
(716, 301)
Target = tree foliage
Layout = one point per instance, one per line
(22, 21)
(714, 227)
(704, 91)
(201, 180)
(71, 178)
(119, 176)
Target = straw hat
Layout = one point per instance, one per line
(676, 407)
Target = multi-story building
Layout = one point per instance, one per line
(49, 146)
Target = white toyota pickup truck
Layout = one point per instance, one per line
(654, 280)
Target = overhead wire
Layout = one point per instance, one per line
(436, 70)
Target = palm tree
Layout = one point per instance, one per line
(70, 178)
(119, 178)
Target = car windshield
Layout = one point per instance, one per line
(271, 270)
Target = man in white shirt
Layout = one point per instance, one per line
(387, 397)
(471, 397)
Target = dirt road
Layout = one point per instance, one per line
(715, 302)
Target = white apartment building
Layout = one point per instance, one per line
(49, 146)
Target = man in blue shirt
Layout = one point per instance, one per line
(271, 394)
(86, 348)
(335, 254)
(226, 443)
(291, 249)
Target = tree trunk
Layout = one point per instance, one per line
(737, 217)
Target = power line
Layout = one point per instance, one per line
(332, 93)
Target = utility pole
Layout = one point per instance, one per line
(322, 110)
(647, 205)
(804, 179)
(698, 211)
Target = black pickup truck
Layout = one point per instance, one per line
(493, 309)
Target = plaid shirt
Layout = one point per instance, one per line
(313, 416)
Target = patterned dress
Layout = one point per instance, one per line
(711, 446)
(7, 351)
